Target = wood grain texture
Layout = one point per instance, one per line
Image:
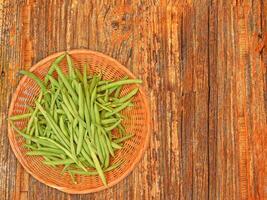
(203, 63)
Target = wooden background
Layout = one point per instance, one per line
(203, 63)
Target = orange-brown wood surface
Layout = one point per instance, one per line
(203, 63)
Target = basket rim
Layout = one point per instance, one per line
(12, 134)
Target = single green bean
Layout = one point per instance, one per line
(52, 150)
(122, 130)
(118, 109)
(110, 128)
(87, 118)
(122, 139)
(93, 84)
(80, 139)
(96, 113)
(78, 74)
(101, 101)
(72, 145)
(109, 145)
(59, 162)
(97, 165)
(41, 153)
(72, 177)
(105, 150)
(118, 83)
(70, 67)
(115, 145)
(128, 96)
(19, 117)
(63, 128)
(98, 146)
(81, 101)
(109, 121)
(66, 110)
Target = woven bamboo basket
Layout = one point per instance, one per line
(137, 122)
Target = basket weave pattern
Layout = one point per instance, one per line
(137, 122)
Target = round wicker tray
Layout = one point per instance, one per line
(137, 122)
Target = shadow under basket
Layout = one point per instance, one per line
(137, 122)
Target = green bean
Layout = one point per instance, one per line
(109, 121)
(65, 168)
(30, 146)
(78, 74)
(97, 165)
(72, 177)
(59, 162)
(68, 105)
(54, 98)
(87, 158)
(115, 88)
(113, 126)
(122, 130)
(128, 96)
(115, 145)
(55, 114)
(126, 137)
(96, 113)
(87, 117)
(41, 153)
(19, 117)
(72, 147)
(63, 128)
(105, 150)
(98, 146)
(106, 96)
(52, 150)
(93, 84)
(75, 122)
(35, 78)
(118, 91)
(109, 145)
(80, 139)
(101, 101)
(30, 109)
(92, 131)
(66, 110)
(70, 67)
(36, 133)
(118, 83)
(102, 82)
(84, 74)
(118, 109)
(81, 101)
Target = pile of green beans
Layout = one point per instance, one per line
(73, 120)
